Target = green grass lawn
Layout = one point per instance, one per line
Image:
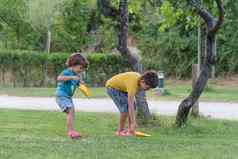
(211, 93)
(37, 135)
(214, 92)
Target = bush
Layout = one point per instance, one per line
(104, 66)
(24, 68)
(170, 52)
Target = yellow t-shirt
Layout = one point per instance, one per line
(125, 82)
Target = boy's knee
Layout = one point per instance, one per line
(69, 110)
(124, 113)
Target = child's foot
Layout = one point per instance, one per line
(74, 134)
(129, 133)
(121, 132)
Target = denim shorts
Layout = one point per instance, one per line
(64, 103)
(119, 98)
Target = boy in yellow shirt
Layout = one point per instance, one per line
(122, 88)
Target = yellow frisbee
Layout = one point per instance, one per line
(141, 134)
(85, 90)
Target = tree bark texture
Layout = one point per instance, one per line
(122, 16)
(213, 26)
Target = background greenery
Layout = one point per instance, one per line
(34, 69)
(164, 31)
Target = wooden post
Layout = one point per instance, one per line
(47, 49)
(48, 41)
(195, 74)
(213, 67)
(199, 46)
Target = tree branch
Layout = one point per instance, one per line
(221, 16)
(201, 83)
(205, 15)
(107, 9)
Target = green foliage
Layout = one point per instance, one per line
(104, 66)
(73, 34)
(227, 41)
(41, 18)
(169, 42)
(164, 30)
(170, 52)
(28, 68)
(15, 28)
(169, 15)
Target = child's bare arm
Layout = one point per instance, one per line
(131, 112)
(67, 78)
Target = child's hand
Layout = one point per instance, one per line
(81, 81)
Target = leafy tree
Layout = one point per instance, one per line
(42, 16)
(212, 28)
(73, 27)
(12, 19)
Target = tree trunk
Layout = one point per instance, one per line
(195, 73)
(109, 11)
(202, 47)
(212, 27)
(141, 101)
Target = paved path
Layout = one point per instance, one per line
(210, 109)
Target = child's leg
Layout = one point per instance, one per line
(70, 124)
(67, 106)
(123, 117)
(70, 119)
(131, 127)
(129, 123)
(120, 100)
(121, 127)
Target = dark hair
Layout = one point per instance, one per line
(77, 59)
(150, 78)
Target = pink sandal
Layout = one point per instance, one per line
(74, 134)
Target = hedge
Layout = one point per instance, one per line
(35, 69)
